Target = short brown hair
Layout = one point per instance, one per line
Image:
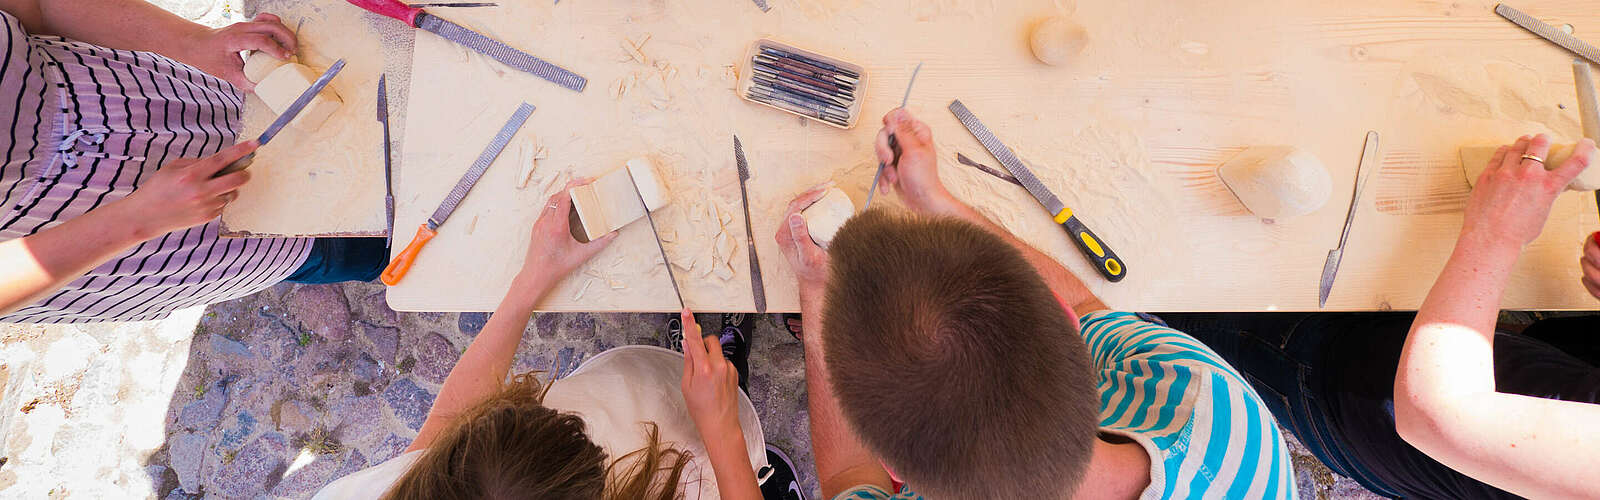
(512, 446)
(953, 361)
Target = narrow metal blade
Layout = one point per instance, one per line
(873, 189)
(762, 4)
(1548, 32)
(512, 57)
(757, 289)
(300, 103)
(913, 81)
(452, 200)
(665, 261)
(964, 160)
(1330, 269)
(388, 175)
(1008, 159)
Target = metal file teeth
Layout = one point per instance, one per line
(506, 54)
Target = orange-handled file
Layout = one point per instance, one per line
(400, 264)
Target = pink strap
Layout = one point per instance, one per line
(392, 8)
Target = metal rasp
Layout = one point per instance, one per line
(1106, 261)
(519, 60)
(894, 144)
(284, 118)
(756, 288)
(1330, 268)
(1548, 32)
(401, 263)
(665, 261)
(388, 171)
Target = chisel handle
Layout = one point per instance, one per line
(401, 264)
(237, 165)
(392, 8)
(1105, 261)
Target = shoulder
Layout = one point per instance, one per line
(371, 482)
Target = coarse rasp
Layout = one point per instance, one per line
(1548, 32)
(506, 54)
(388, 172)
(757, 289)
(284, 118)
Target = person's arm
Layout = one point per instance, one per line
(179, 195)
(842, 460)
(916, 177)
(142, 26)
(481, 371)
(711, 388)
(1444, 394)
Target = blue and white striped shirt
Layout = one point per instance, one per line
(1207, 432)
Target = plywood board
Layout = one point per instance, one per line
(328, 182)
(1129, 136)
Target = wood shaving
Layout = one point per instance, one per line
(555, 182)
(583, 289)
(528, 158)
(616, 284)
(660, 104)
(472, 226)
(724, 272)
(668, 236)
(635, 50)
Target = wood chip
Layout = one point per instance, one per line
(472, 226)
(582, 289)
(724, 272)
(616, 284)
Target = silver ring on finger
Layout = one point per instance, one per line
(1533, 157)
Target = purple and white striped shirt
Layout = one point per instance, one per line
(84, 125)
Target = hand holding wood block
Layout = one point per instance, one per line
(609, 203)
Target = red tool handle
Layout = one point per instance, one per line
(402, 263)
(391, 8)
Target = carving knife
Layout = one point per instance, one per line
(1330, 268)
(418, 18)
(893, 143)
(284, 118)
(1105, 261)
(1548, 32)
(388, 175)
(756, 287)
(961, 158)
(400, 264)
(665, 261)
(1588, 109)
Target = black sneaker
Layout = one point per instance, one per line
(777, 478)
(735, 337)
(675, 333)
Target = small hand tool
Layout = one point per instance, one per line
(1588, 109)
(400, 264)
(894, 144)
(1105, 260)
(1548, 32)
(284, 118)
(961, 158)
(665, 261)
(756, 287)
(456, 4)
(1330, 268)
(777, 52)
(388, 175)
(762, 4)
(418, 18)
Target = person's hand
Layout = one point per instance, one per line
(216, 51)
(183, 194)
(552, 251)
(710, 384)
(1513, 196)
(916, 175)
(1590, 263)
(809, 261)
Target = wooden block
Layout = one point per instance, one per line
(283, 85)
(610, 202)
(829, 213)
(1277, 182)
(1475, 158)
(259, 64)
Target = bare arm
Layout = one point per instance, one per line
(916, 177)
(142, 26)
(181, 194)
(711, 388)
(842, 460)
(1445, 399)
(482, 369)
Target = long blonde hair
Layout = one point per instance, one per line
(512, 446)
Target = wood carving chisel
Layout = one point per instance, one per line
(665, 261)
(776, 52)
(388, 173)
(284, 118)
(762, 4)
(962, 159)
(1588, 109)
(894, 144)
(1105, 261)
(1330, 268)
(756, 288)
(512, 57)
(1548, 32)
(400, 264)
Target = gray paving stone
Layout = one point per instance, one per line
(471, 323)
(408, 402)
(435, 356)
(203, 414)
(321, 310)
(385, 341)
(255, 468)
(185, 453)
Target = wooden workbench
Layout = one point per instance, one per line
(1129, 136)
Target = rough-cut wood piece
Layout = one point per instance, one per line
(1474, 159)
(285, 84)
(259, 64)
(827, 215)
(610, 202)
(1056, 40)
(1277, 182)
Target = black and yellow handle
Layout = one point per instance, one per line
(1105, 260)
(402, 263)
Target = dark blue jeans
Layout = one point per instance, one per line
(333, 260)
(1280, 353)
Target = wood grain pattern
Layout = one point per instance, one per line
(1129, 136)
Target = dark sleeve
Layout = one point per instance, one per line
(1532, 367)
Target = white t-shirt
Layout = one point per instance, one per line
(615, 392)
